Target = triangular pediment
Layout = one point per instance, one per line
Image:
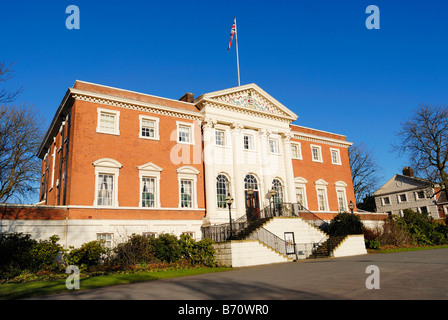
(401, 183)
(249, 97)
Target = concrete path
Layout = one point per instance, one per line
(406, 275)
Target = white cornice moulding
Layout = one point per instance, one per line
(134, 104)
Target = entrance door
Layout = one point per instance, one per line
(252, 201)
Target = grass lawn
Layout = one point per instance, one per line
(11, 291)
(388, 250)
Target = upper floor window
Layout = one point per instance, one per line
(273, 146)
(248, 142)
(108, 121)
(220, 137)
(402, 198)
(149, 127)
(316, 153)
(185, 133)
(335, 156)
(296, 151)
(420, 195)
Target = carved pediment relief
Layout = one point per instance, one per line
(250, 97)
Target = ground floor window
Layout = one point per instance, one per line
(106, 238)
(148, 192)
(222, 189)
(106, 189)
(186, 193)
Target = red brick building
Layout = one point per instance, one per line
(118, 162)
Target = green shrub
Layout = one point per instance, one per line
(167, 248)
(89, 254)
(344, 224)
(138, 249)
(44, 254)
(372, 244)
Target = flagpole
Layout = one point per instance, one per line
(237, 58)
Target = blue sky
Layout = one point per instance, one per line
(315, 57)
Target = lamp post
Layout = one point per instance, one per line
(351, 206)
(273, 192)
(229, 201)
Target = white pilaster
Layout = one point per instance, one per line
(238, 179)
(209, 168)
(290, 188)
(265, 162)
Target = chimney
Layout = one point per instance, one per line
(407, 171)
(188, 97)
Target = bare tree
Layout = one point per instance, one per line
(20, 136)
(364, 171)
(424, 138)
(7, 96)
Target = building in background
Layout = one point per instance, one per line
(404, 191)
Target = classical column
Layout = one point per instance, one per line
(290, 187)
(265, 162)
(238, 179)
(209, 168)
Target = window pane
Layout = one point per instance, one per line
(219, 137)
(184, 133)
(273, 146)
(321, 199)
(186, 193)
(222, 189)
(341, 201)
(148, 128)
(107, 122)
(277, 186)
(248, 143)
(105, 190)
(316, 155)
(148, 192)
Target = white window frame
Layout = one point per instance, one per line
(191, 129)
(338, 156)
(299, 150)
(300, 183)
(322, 185)
(150, 170)
(223, 137)
(273, 148)
(156, 127)
(111, 167)
(319, 150)
(104, 236)
(116, 130)
(251, 142)
(188, 173)
(417, 197)
(384, 203)
(341, 186)
(399, 198)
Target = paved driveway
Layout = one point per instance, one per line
(406, 275)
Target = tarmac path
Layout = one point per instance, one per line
(400, 276)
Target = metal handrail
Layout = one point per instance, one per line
(269, 239)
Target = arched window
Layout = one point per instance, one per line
(277, 186)
(222, 189)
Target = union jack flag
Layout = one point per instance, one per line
(232, 32)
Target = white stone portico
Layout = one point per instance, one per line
(246, 132)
